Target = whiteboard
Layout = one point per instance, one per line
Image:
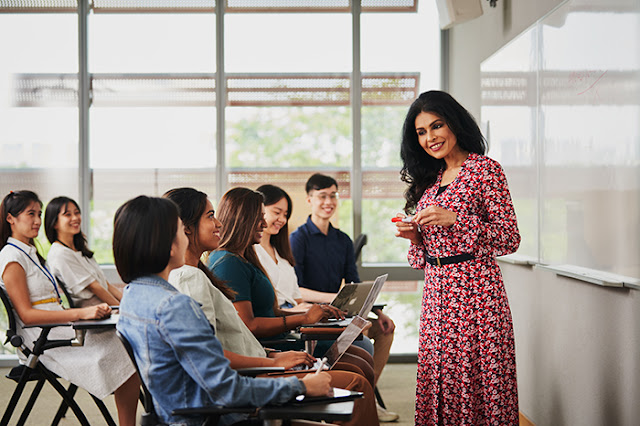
(561, 105)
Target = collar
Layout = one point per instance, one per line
(154, 280)
(313, 229)
(28, 248)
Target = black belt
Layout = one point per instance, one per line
(439, 261)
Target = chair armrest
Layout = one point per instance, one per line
(212, 410)
(256, 371)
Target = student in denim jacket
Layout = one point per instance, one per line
(180, 359)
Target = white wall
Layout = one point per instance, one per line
(577, 349)
(474, 41)
(578, 344)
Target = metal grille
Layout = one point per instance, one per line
(39, 90)
(154, 6)
(206, 6)
(39, 6)
(154, 90)
(45, 90)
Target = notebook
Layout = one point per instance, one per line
(337, 395)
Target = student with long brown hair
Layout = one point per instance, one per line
(241, 212)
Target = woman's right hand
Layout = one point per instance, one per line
(314, 314)
(408, 230)
(290, 359)
(317, 384)
(100, 311)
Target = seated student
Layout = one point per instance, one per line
(324, 257)
(175, 347)
(240, 346)
(101, 366)
(274, 250)
(71, 260)
(235, 262)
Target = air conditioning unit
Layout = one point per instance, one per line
(452, 12)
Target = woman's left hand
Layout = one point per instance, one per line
(434, 215)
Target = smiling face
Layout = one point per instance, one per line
(26, 225)
(276, 216)
(208, 234)
(435, 136)
(69, 220)
(323, 202)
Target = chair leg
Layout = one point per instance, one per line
(67, 398)
(16, 396)
(31, 402)
(105, 412)
(62, 411)
(379, 398)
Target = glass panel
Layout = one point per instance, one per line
(382, 120)
(589, 130)
(509, 91)
(288, 42)
(38, 145)
(172, 43)
(149, 151)
(153, 126)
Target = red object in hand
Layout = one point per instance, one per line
(401, 219)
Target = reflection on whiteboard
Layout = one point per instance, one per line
(562, 103)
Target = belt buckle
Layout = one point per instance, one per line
(438, 261)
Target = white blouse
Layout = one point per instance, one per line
(231, 331)
(282, 276)
(39, 286)
(76, 272)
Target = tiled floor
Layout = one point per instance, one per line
(397, 387)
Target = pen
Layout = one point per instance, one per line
(322, 361)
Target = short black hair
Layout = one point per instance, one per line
(143, 232)
(319, 181)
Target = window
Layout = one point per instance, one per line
(215, 95)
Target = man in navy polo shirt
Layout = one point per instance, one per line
(325, 257)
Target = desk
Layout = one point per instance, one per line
(332, 412)
(93, 324)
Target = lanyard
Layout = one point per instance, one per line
(44, 270)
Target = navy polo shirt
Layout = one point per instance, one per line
(322, 261)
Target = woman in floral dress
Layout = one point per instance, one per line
(463, 219)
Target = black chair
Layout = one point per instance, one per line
(358, 243)
(34, 370)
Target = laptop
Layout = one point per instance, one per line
(365, 303)
(351, 297)
(345, 339)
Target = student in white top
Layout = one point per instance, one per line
(101, 365)
(274, 250)
(71, 260)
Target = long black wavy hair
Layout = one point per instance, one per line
(419, 169)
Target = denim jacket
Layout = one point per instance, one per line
(180, 359)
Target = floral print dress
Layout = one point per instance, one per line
(466, 359)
